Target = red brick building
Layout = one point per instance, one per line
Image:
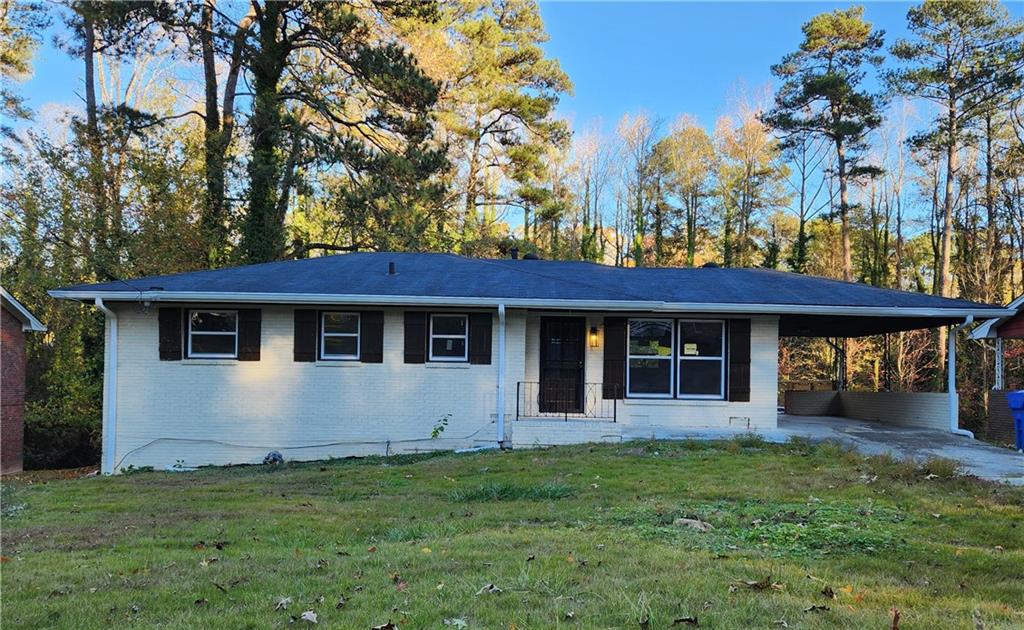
(16, 321)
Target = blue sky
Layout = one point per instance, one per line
(673, 58)
(664, 58)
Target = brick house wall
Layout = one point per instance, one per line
(12, 392)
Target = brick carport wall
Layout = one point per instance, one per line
(12, 393)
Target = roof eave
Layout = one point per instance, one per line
(558, 304)
(29, 322)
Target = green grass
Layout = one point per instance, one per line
(576, 537)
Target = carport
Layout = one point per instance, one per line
(935, 411)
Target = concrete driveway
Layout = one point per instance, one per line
(874, 438)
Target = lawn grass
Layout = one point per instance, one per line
(585, 536)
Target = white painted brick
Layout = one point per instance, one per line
(220, 412)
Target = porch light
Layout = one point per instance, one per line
(593, 337)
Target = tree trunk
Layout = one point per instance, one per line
(93, 141)
(945, 279)
(844, 211)
(212, 221)
(263, 237)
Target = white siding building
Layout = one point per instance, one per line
(397, 353)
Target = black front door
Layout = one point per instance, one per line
(562, 347)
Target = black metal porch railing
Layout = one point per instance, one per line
(564, 399)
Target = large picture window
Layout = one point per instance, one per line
(339, 336)
(701, 372)
(449, 337)
(669, 358)
(649, 358)
(213, 334)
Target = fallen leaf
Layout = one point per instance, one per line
(220, 544)
(208, 561)
(199, 546)
(780, 623)
(309, 617)
(341, 602)
(372, 548)
(531, 558)
(762, 585)
(693, 523)
(282, 603)
(220, 588)
(320, 564)
(490, 589)
(828, 592)
(401, 586)
(895, 619)
(395, 577)
(979, 623)
(201, 602)
(685, 621)
(426, 550)
(456, 622)
(385, 626)
(816, 608)
(570, 615)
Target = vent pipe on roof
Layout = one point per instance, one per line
(391, 268)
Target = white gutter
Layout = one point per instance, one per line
(603, 305)
(109, 392)
(954, 403)
(501, 374)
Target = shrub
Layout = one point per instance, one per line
(55, 441)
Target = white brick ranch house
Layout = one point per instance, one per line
(371, 353)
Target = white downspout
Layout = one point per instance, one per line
(109, 392)
(954, 404)
(501, 375)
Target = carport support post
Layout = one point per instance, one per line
(1000, 366)
(954, 403)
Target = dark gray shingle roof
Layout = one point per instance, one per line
(446, 275)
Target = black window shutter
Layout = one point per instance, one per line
(371, 336)
(739, 360)
(415, 337)
(170, 333)
(614, 357)
(480, 338)
(305, 335)
(250, 324)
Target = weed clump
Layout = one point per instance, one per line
(504, 491)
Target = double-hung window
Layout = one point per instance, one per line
(449, 337)
(649, 357)
(339, 336)
(669, 358)
(701, 359)
(213, 334)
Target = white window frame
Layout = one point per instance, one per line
(324, 335)
(670, 358)
(680, 357)
(432, 336)
(212, 355)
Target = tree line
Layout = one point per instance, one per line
(221, 133)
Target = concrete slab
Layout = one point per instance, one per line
(874, 438)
